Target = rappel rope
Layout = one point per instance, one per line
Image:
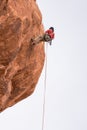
(45, 80)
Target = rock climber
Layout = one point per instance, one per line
(48, 36)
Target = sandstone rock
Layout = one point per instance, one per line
(20, 62)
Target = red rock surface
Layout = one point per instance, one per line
(20, 62)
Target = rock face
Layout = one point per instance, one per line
(21, 63)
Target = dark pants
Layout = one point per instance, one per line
(44, 38)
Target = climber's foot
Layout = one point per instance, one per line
(33, 43)
(32, 39)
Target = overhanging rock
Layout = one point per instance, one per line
(20, 63)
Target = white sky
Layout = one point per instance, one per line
(66, 96)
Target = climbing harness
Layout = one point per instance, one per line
(44, 98)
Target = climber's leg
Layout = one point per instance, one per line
(37, 40)
(44, 38)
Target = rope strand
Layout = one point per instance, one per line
(45, 79)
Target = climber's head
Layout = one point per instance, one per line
(52, 28)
